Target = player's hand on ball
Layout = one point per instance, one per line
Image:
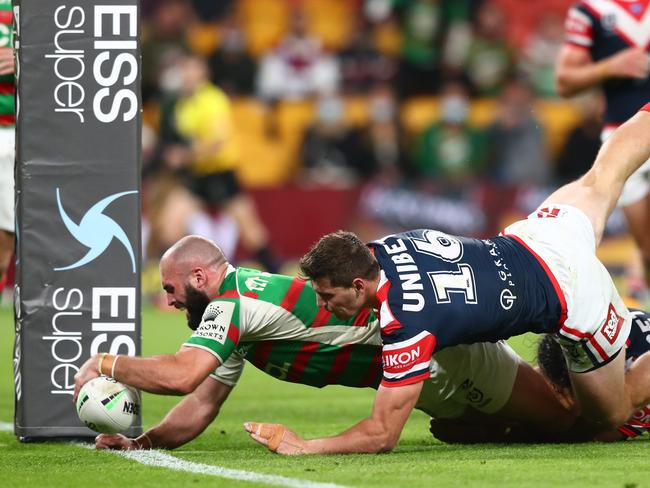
(86, 373)
(115, 441)
(276, 437)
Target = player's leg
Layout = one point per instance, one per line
(533, 413)
(597, 192)
(534, 403)
(603, 394)
(491, 380)
(637, 381)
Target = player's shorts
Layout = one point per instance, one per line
(637, 185)
(7, 155)
(595, 322)
(478, 375)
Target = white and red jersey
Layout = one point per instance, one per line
(605, 27)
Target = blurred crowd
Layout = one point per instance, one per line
(432, 96)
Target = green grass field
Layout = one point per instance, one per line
(418, 461)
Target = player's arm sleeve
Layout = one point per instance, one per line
(231, 370)
(406, 358)
(575, 69)
(578, 28)
(219, 330)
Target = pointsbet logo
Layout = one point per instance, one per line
(110, 94)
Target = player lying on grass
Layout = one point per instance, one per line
(553, 367)
(487, 428)
(434, 291)
(273, 322)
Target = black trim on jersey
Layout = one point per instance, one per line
(611, 358)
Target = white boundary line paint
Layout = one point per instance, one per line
(6, 427)
(163, 460)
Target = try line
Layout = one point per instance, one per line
(164, 460)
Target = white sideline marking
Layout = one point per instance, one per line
(164, 460)
(6, 426)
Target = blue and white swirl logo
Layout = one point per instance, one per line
(95, 230)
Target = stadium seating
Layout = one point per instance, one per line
(268, 161)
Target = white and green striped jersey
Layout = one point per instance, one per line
(273, 321)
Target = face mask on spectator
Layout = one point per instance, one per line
(171, 79)
(454, 110)
(382, 109)
(330, 110)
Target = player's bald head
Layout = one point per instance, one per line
(193, 251)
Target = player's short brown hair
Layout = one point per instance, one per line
(340, 257)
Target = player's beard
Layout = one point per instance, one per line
(195, 303)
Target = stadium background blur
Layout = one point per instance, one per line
(368, 115)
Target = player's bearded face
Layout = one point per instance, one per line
(195, 303)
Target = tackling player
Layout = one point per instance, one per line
(489, 428)
(608, 45)
(433, 291)
(273, 322)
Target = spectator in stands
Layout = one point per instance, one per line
(201, 145)
(538, 56)
(211, 10)
(516, 139)
(583, 141)
(298, 67)
(331, 151)
(451, 150)
(162, 38)
(362, 65)
(424, 24)
(383, 140)
(231, 67)
(489, 61)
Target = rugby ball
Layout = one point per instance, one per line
(107, 406)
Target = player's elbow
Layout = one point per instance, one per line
(184, 384)
(562, 86)
(388, 444)
(383, 440)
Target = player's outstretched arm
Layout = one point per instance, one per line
(169, 374)
(378, 433)
(184, 422)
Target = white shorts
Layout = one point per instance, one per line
(7, 156)
(637, 185)
(478, 375)
(595, 323)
